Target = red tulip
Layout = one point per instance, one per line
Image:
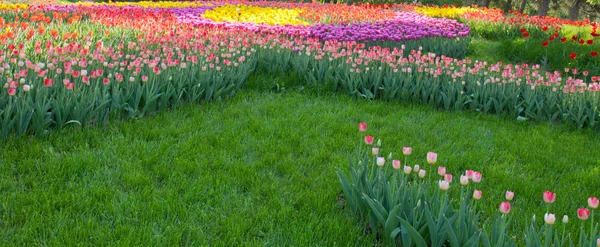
(574, 37)
(48, 82)
(523, 30)
(505, 207)
(583, 213)
(545, 28)
(589, 41)
(362, 127)
(545, 43)
(368, 140)
(594, 53)
(549, 197)
(70, 86)
(581, 41)
(563, 39)
(573, 55)
(525, 34)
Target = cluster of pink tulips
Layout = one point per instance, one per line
(400, 199)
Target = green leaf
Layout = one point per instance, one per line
(416, 237)
(392, 221)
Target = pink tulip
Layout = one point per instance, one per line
(549, 197)
(441, 170)
(375, 151)
(396, 164)
(362, 127)
(469, 174)
(510, 195)
(505, 207)
(464, 180)
(431, 158)
(417, 168)
(407, 169)
(448, 178)
(593, 202)
(70, 86)
(406, 150)
(422, 173)
(26, 88)
(477, 194)
(369, 140)
(476, 177)
(12, 91)
(583, 213)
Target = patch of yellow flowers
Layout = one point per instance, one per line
(252, 14)
(448, 12)
(149, 4)
(11, 6)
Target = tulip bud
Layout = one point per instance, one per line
(549, 218)
(406, 150)
(26, 88)
(549, 197)
(448, 178)
(464, 180)
(378, 142)
(565, 219)
(421, 173)
(407, 169)
(417, 168)
(375, 151)
(390, 156)
(362, 127)
(368, 140)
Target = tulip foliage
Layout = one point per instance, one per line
(415, 206)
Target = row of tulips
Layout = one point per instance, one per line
(186, 63)
(410, 205)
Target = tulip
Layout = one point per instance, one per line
(510, 195)
(375, 151)
(378, 142)
(444, 185)
(417, 168)
(477, 194)
(26, 88)
(448, 178)
(598, 242)
(407, 169)
(12, 91)
(431, 158)
(549, 218)
(476, 177)
(583, 213)
(469, 174)
(362, 127)
(396, 164)
(549, 197)
(422, 173)
(368, 140)
(441, 170)
(380, 161)
(464, 180)
(593, 202)
(565, 219)
(504, 207)
(406, 150)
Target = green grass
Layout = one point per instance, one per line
(260, 170)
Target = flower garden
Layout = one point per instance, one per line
(72, 72)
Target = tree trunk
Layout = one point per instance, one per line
(544, 6)
(486, 3)
(523, 5)
(507, 6)
(574, 14)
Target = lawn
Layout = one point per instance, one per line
(260, 170)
